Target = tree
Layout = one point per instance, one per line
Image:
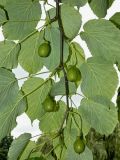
(67, 130)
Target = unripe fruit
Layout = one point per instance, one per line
(79, 145)
(44, 49)
(49, 104)
(73, 74)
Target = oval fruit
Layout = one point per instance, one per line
(73, 74)
(79, 145)
(49, 104)
(44, 50)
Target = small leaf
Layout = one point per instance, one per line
(23, 17)
(9, 54)
(59, 88)
(37, 97)
(18, 146)
(100, 114)
(77, 56)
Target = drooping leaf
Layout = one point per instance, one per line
(98, 78)
(35, 109)
(23, 18)
(18, 146)
(103, 39)
(75, 2)
(59, 88)
(99, 7)
(115, 19)
(77, 56)
(101, 115)
(53, 119)
(9, 54)
(9, 113)
(71, 20)
(3, 17)
(29, 58)
(52, 35)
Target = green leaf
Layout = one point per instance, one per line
(3, 17)
(103, 39)
(53, 119)
(77, 56)
(100, 114)
(98, 78)
(99, 7)
(9, 113)
(115, 19)
(71, 20)
(37, 97)
(52, 35)
(8, 88)
(18, 146)
(9, 54)
(23, 17)
(27, 150)
(29, 58)
(59, 88)
(75, 2)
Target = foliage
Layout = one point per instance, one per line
(96, 120)
(4, 147)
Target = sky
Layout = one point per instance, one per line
(23, 122)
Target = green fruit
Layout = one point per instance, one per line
(49, 104)
(44, 50)
(79, 145)
(73, 74)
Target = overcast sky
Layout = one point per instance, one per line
(24, 123)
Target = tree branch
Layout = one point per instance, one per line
(62, 38)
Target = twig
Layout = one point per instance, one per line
(32, 75)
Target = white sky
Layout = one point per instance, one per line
(24, 123)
